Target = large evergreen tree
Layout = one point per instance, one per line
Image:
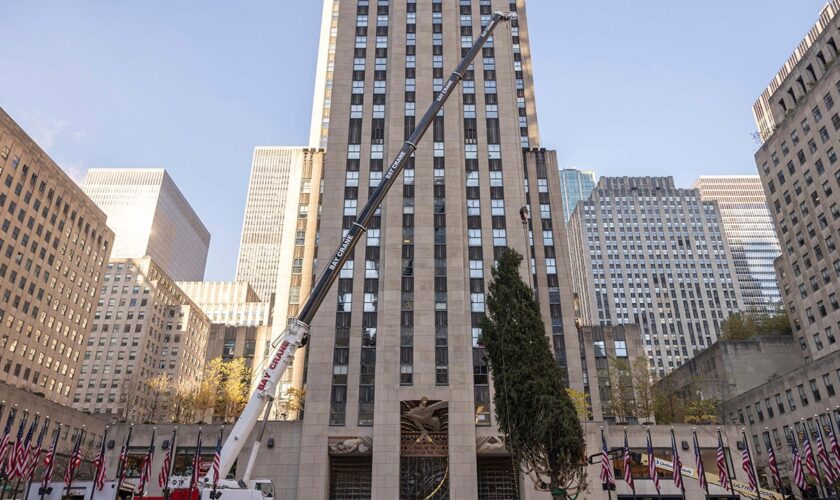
(533, 409)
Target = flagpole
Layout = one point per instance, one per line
(18, 440)
(100, 464)
(771, 453)
(607, 465)
(630, 473)
(726, 463)
(831, 427)
(5, 466)
(656, 483)
(31, 476)
(821, 489)
(196, 466)
(830, 464)
(752, 464)
(26, 450)
(171, 463)
(121, 464)
(72, 456)
(26, 446)
(51, 466)
(674, 464)
(143, 465)
(215, 478)
(699, 461)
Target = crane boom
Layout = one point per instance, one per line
(298, 331)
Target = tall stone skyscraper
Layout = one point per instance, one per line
(279, 175)
(647, 252)
(399, 335)
(749, 230)
(798, 119)
(54, 246)
(150, 216)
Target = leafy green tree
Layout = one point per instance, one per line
(233, 390)
(643, 386)
(533, 409)
(702, 411)
(581, 403)
(622, 400)
(743, 325)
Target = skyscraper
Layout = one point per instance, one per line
(150, 216)
(144, 327)
(749, 230)
(54, 246)
(798, 119)
(576, 185)
(278, 174)
(646, 252)
(401, 334)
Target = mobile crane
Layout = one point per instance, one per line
(297, 333)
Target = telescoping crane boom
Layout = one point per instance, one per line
(298, 332)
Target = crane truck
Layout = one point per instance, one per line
(297, 333)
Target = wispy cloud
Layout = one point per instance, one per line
(46, 129)
(75, 169)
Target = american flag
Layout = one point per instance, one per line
(99, 463)
(196, 465)
(746, 464)
(217, 460)
(798, 474)
(678, 481)
(163, 477)
(146, 467)
(122, 463)
(75, 460)
(606, 465)
(49, 460)
(810, 463)
(23, 456)
(7, 434)
(720, 460)
(825, 461)
(628, 462)
(774, 467)
(701, 471)
(835, 448)
(17, 449)
(35, 451)
(652, 471)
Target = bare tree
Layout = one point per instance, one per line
(183, 401)
(159, 389)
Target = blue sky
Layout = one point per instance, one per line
(624, 87)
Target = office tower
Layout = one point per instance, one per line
(150, 216)
(278, 174)
(646, 252)
(228, 302)
(576, 185)
(402, 322)
(144, 326)
(54, 244)
(749, 231)
(797, 118)
(280, 242)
